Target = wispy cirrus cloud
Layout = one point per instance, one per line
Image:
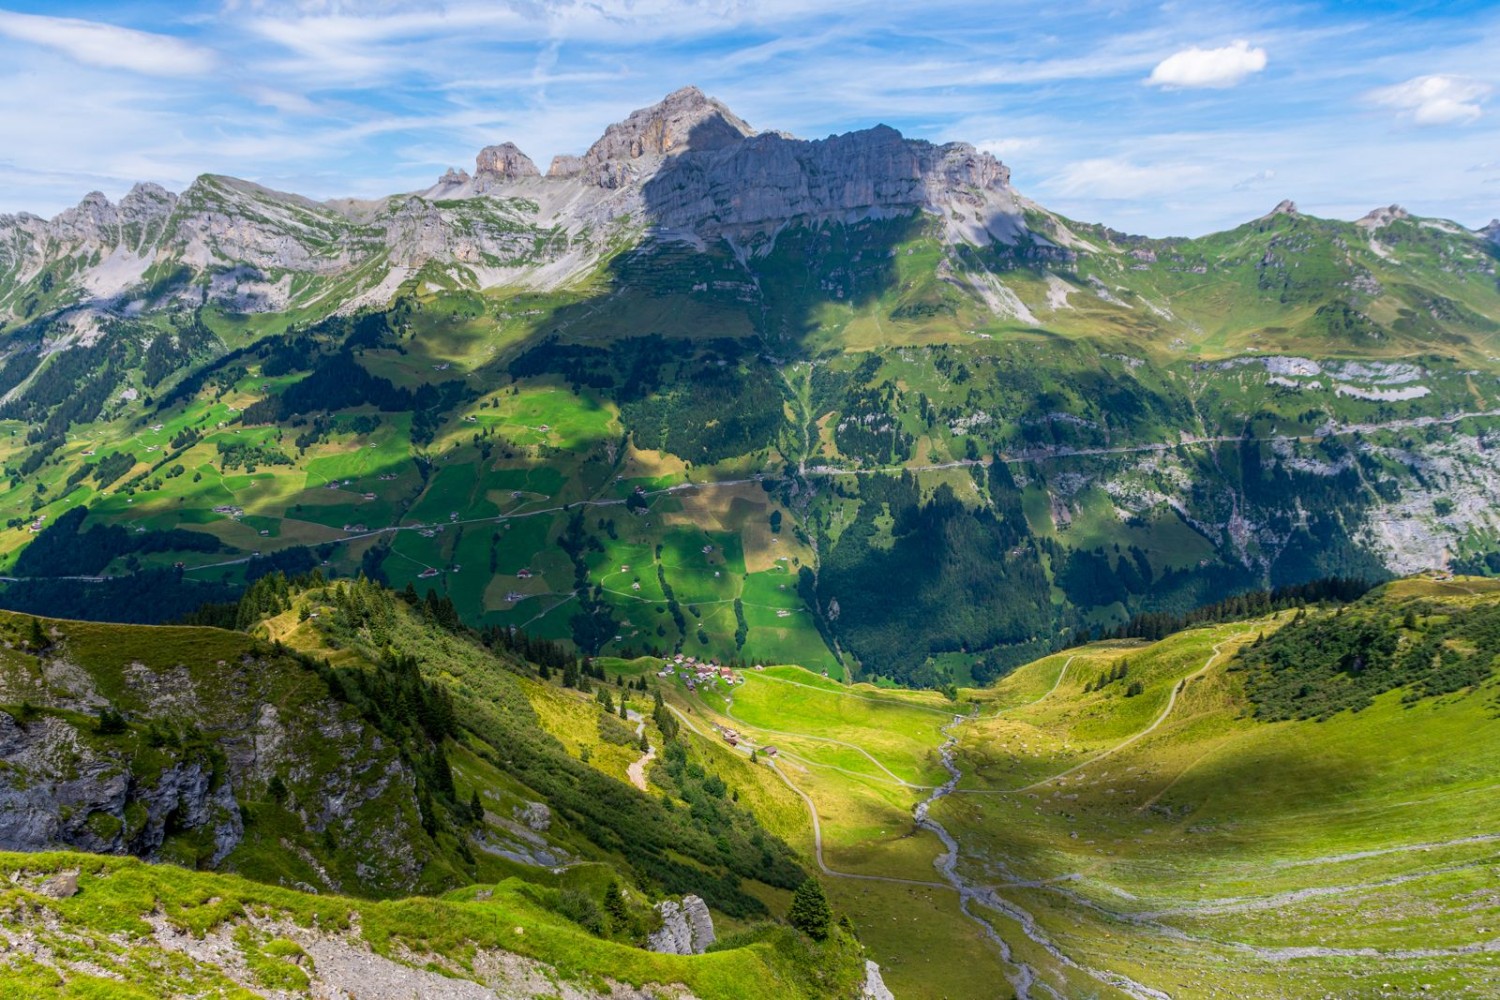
(368, 97)
(109, 46)
(1114, 179)
(1259, 179)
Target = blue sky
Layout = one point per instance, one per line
(1158, 118)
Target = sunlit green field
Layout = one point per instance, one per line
(1210, 855)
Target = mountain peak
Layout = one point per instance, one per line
(1383, 216)
(1492, 230)
(685, 120)
(1284, 207)
(505, 161)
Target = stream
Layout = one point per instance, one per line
(1024, 980)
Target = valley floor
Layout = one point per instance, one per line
(1075, 841)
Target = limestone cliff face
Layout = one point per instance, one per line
(504, 162)
(768, 180)
(686, 121)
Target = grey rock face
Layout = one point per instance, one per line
(565, 166)
(1492, 230)
(686, 164)
(536, 816)
(768, 180)
(685, 120)
(874, 987)
(58, 792)
(504, 162)
(687, 928)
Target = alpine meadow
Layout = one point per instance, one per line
(726, 565)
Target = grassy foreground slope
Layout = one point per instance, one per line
(347, 747)
(1150, 820)
(126, 929)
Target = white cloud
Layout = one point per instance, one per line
(1258, 179)
(1117, 179)
(1436, 100)
(108, 45)
(1001, 148)
(1197, 67)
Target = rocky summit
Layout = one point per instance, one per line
(688, 165)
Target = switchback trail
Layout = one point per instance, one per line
(1162, 717)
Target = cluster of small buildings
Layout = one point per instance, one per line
(230, 510)
(734, 739)
(695, 672)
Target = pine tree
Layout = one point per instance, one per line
(810, 912)
(614, 905)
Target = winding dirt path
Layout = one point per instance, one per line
(1166, 711)
(637, 770)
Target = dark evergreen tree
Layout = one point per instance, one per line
(810, 912)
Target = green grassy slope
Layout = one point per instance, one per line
(127, 929)
(354, 745)
(767, 444)
(1167, 837)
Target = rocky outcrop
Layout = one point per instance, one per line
(205, 738)
(504, 162)
(767, 181)
(1492, 230)
(684, 121)
(564, 166)
(1383, 216)
(536, 816)
(874, 987)
(687, 928)
(56, 790)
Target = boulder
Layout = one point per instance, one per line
(535, 815)
(687, 928)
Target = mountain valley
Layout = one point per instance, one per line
(507, 588)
